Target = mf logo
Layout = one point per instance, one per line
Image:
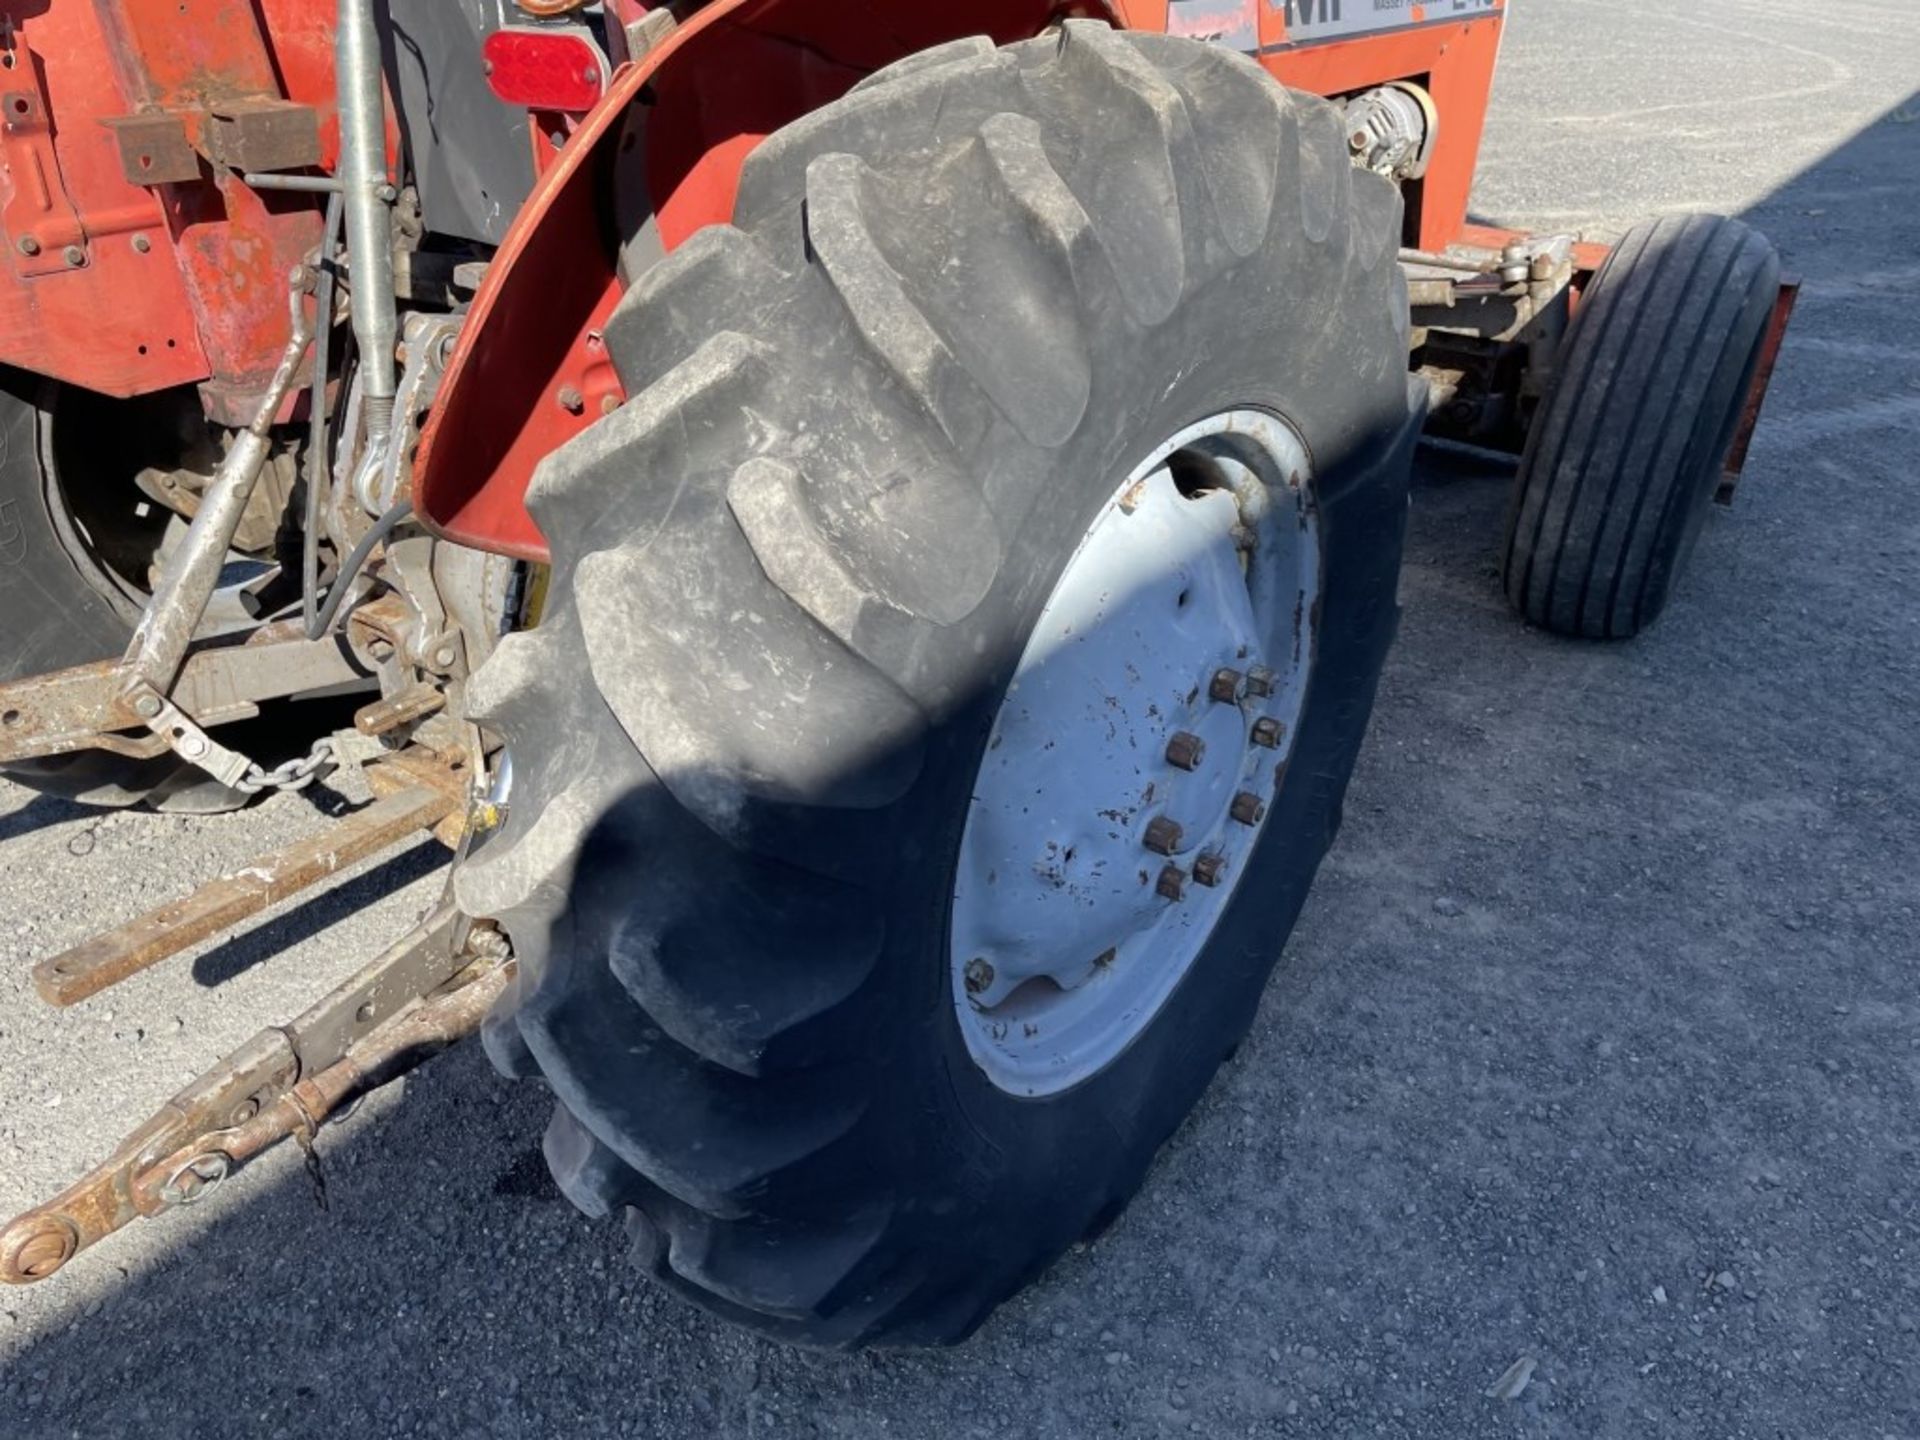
(1313, 12)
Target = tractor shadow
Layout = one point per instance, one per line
(447, 1288)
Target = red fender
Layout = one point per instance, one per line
(530, 371)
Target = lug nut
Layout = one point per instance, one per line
(141, 244)
(979, 975)
(1267, 733)
(1163, 835)
(1185, 751)
(1172, 884)
(1210, 869)
(74, 256)
(1261, 682)
(27, 245)
(1226, 686)
(1248, 809)
(571, 400)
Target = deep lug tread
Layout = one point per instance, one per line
(757, 1021)
(973, 48)
(658, 323)
(734, 698)
(894, 327)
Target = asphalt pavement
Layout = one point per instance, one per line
(1598, 1046)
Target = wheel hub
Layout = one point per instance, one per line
(1126, 779)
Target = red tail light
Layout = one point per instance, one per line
(546, 68)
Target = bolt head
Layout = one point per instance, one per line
(381, 650)
(193, 747)
(74, 256)
(1267, 733)
(141, 244)
(1172, 884)
(147, 706)
(1248, 809)
(1262, 682)
(571, 400)
(978, 975)
(27, 245)
(1210, 869)
(609, 403)
(1225, 686)
(1163, 835)
(444, 656)
(1186, 750)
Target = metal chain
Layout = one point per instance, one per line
(296, 774)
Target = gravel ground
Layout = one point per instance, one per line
(1597, 1046)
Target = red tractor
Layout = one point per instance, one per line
(870, 529)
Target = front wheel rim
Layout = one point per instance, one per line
(1129, 773)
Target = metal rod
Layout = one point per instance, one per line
(310, 184)
(190, 575)
(368, 193)
(93, 965)
(319, 449)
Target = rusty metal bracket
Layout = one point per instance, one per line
(106, 959)
(41, 224)
(425, 993)
(261, 134)
(87, 707)
(154, 148)
(1770, 345)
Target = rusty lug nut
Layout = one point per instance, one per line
(40, 1252)
(1248, 809)
(1186, 750)
(979, 975)
(1172, 884)
(1261, 682)
(1267, 733)
(1163, 835)
(571, 400)
(1225, 686)
(1210, 869)
(74, 255)
(27, 245)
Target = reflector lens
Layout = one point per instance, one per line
(545, 69)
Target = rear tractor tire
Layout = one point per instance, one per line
(1623, 459)
(957, 652)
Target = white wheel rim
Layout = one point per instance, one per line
(1063, 946)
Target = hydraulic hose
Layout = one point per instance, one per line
(350, 571)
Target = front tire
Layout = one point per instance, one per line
(793, 576)
(1623, 459)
